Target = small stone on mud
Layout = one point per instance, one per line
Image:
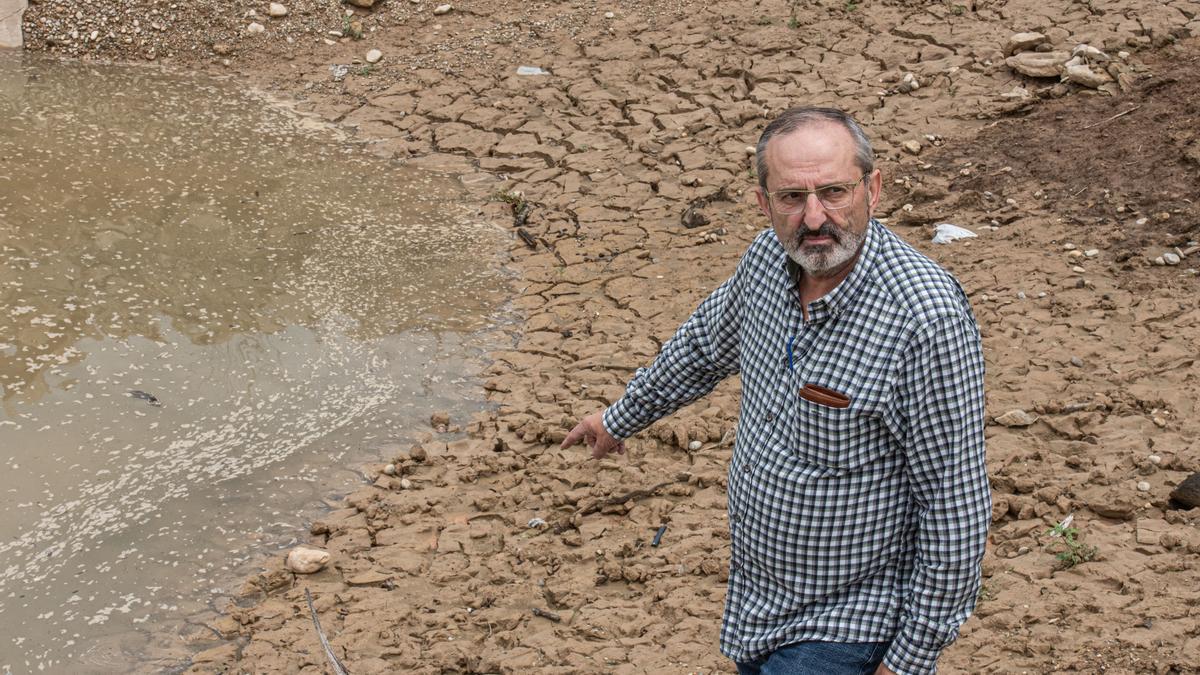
(695, 445)
(277, 10)
(440, 418)
(1143, 486)
(1023, 42)
(405, 484)
(374, 55)
(912, 147)
(390, 469)
(255, 28)
(418, 454)
(442, 9)
(222, 48)
(305, 560)
(1016, 418)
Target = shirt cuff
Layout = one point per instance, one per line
(909, 654)
(623, 418)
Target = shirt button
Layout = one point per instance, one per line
(769, 418)
(746, 468)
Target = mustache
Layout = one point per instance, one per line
(826, 230)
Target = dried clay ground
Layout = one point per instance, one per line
(631, 156)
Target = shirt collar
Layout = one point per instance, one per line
(837, 300)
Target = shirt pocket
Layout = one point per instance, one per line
(840, 439)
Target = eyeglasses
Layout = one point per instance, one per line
(833, 197)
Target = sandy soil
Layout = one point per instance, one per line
(631, 155)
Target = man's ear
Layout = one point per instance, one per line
(875, 186)
(764, 204)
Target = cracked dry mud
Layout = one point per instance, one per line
(648, 114)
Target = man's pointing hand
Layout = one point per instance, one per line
(591, 429)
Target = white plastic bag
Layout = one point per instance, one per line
(944, 233)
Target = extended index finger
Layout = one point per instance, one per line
(574, 436)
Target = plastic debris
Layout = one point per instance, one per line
(944, 233)
(531, 70)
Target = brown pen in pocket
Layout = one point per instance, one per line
(824, 396)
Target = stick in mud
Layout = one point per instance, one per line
(547, 615)
(338, 668)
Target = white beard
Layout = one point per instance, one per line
(823, 260)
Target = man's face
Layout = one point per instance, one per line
(823, 241)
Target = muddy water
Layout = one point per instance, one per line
(210, 310)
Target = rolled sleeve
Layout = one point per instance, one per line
(948, 476)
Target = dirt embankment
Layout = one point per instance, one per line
(631, 152)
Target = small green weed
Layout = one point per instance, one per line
(958, 10)
(793, 22)
(514, 199)
(851, 5)
(1069, 551)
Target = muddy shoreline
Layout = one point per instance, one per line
(631, 154)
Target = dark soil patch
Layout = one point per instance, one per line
(1089, 159)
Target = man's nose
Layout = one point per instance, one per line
(814, 212)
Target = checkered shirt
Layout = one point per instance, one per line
(858, 524)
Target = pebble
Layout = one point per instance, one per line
(1069, 246)
(609, 15)
(277, 10)
(442, 9)
(1170, 258)
(1143, 486)
(374, 55)
(1154, 459)
(405, 484)
(1078, 270)
(1076, 361)
(255, 28)
(912, 147)
(1022, 42)
(304, 560)
(1091, 253)
(1074, 254)
(695, 445)
(390, 469)
(1016, 418)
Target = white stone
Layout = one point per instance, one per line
(609, 15)
(277, 10)
(1143, 486)
(1084, 75)
(374, 55)
(1170, 258)
(1038, 64)
(1022, 42)
(695, 445)
(405, 484)
(442, 9)
(305, 560)
(911, 147)
(390, 469)
(1078, 270)
(255, 28)
(1090, 53)
(1092, 252)
(1016, 418)
(1155, 459)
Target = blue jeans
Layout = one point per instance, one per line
(818, 658)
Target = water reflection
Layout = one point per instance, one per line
(272, 290)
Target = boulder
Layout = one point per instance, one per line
(1023, 42)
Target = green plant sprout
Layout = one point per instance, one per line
(1071, 551)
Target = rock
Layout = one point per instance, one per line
(1084, 75)
(304, 560)
(1023, 42)
(1038, 64)
(1090, 53)
(440, 418)
(365, 4)
(390, 469)
(442, 9)
(255, 28)
(222, 48)
(1150, 531)
(374, 55)
(1143, 486)
(368, 578)
(912, 147)
(277, 10)
(405, 484)
(695, 445)
(609, 15)
(1114, 504)
(908, 83)
(1016, 418)
(692, 218)
(1188, 492)
(418, 454)
(1170, 259)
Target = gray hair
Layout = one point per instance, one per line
(803, 116)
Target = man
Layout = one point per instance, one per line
(858, 495)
